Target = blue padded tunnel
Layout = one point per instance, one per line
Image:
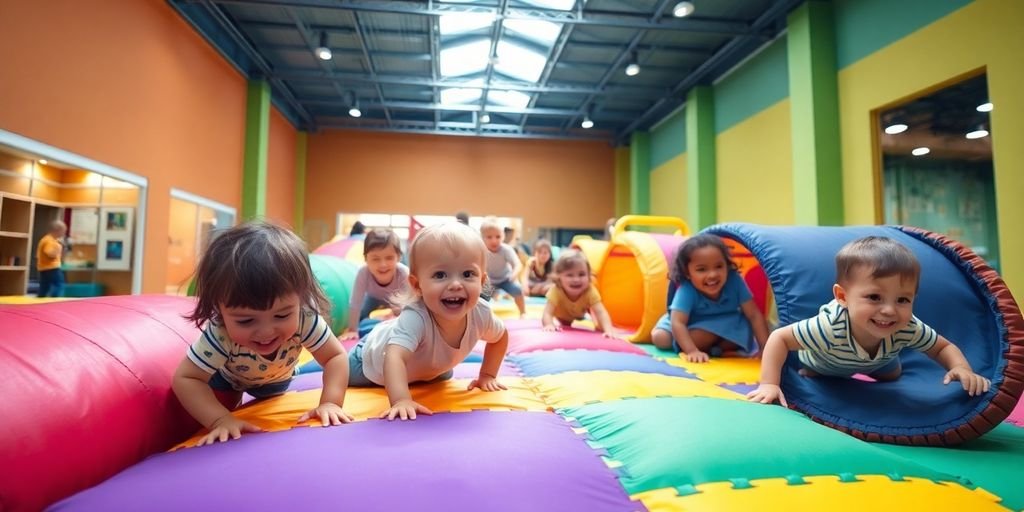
(960, 296)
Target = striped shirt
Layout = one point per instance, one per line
(243, 368)
(827, 345)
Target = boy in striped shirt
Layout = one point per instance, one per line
(865, 327)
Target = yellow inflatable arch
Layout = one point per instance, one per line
(632, 271)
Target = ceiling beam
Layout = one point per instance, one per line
(734, 49)
(549, 66)
(348, 31)
(591, 17)
(659, 11)
(466, 130)
(475, 82)
(263, 66)
(492, 55)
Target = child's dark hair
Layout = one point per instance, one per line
(686, 250)
(251, 266)
(881, 255)
(381, 239)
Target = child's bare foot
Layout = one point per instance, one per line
(808, 373)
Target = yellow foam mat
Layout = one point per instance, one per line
(874, 492)
(722, 370)
(572, 389)
(508, 309)
(281, 412)
(305, 356)
(25, 299)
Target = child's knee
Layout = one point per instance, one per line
(661, 339)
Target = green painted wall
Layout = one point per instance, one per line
(760, 83)
(640, 173)
(622, 181)
(701, 168)
(257, 134)
(866, 26)
(668, 139)
(300, 182)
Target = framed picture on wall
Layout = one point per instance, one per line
(115, 239)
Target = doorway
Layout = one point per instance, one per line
(937, 171)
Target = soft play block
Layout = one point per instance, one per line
(482, 460)
(673, 442)
(281, 412)
(578, 388)
(852, 493)
(559, 361)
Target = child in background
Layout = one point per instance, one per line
(502, 264)
(573, 295)
(441, 323)
(537, 278)
(712, 310)
(864, 328)
(382, 276)
(258, 305)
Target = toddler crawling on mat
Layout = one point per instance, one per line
(865, 327)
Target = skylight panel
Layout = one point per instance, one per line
(517, 61)
(460, 23)
(460, 95)
(544, 32)
(514, 99)
(466, 58)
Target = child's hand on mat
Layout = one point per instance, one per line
(225, 427)
(697, 356)
(349, 334)
(486, 383)
(551, 328)
(328, 413)
(405, 410)
(973, 383)
(608, 334)
(767, 394)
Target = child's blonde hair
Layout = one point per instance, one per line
(252, 265)
(453, 235)
(490, 224)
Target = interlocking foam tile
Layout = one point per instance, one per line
(578, 388)
(526, 340)
(280, 413)
(993, 461)
(869, 492)
(21, 299)
(672, 442)
(494, 461)
(723, 370)
(559, 361)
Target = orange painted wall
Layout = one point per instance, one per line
(130, 84)
(280, 169)
(546, 182)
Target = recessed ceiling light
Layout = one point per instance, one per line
(587, 123)
(977, 134)
(485, 118)
(920, 151)
(682, 9)
(43, 161)
(985, 107)
(893, 129)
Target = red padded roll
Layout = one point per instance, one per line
(85, 391)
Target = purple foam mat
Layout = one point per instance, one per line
(482, 460)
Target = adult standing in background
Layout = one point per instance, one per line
(48, 255)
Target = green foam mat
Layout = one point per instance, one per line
(674, 442)
(656, 352)
(994, 462)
